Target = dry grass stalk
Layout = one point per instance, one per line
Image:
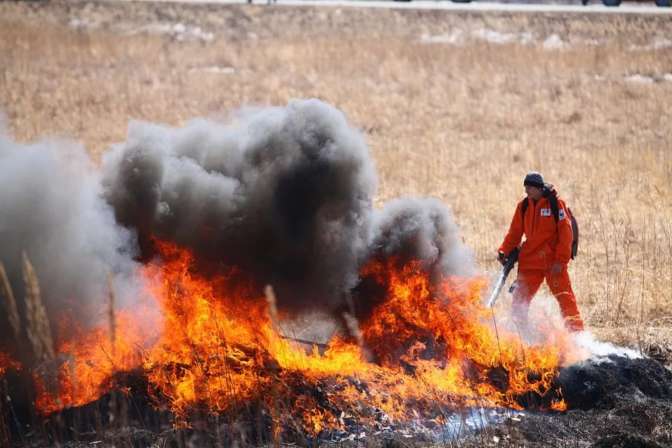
(353, 327)
(38, 328)
(272, 305)
(115, 400)
(9, 303)
(110, 313)
(276, 425)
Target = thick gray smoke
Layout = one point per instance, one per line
(51, 207)
(284, 193)
(420, 229)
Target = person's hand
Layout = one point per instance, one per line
(556, 268)
(501, 257)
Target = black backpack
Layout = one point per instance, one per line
(549, 193)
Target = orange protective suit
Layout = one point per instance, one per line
(546, 242)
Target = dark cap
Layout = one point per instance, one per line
(534, 179)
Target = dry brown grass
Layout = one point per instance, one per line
(38, 329)
(459, 122)
(9, 304)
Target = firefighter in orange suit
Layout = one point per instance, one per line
(544, 254)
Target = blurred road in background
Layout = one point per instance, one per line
(593, 7)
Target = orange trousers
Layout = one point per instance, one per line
(528, 283)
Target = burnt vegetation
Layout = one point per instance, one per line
(445, 108)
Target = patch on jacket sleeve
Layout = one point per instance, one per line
(561, 214)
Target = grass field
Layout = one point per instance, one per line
(454, 105)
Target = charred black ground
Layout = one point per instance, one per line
(602, 383)
(613, 401)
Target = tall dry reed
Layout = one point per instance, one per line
(38, 329)
(9, 304)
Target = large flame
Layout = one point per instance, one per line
(427, 346)
(88, 361)
(448, 325)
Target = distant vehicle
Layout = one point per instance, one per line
(662, 3)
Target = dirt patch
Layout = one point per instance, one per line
(229, 23)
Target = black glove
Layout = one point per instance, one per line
(501, 257)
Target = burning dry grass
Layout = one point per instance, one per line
(460, 121)
(220, 355)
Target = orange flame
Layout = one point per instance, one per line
(89, 361)
(7, 362)
(218, 350)
(452, 319)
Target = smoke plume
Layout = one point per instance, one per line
(52, 209)
(283, 193)
(420, 229)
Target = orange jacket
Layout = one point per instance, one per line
(546, 241)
